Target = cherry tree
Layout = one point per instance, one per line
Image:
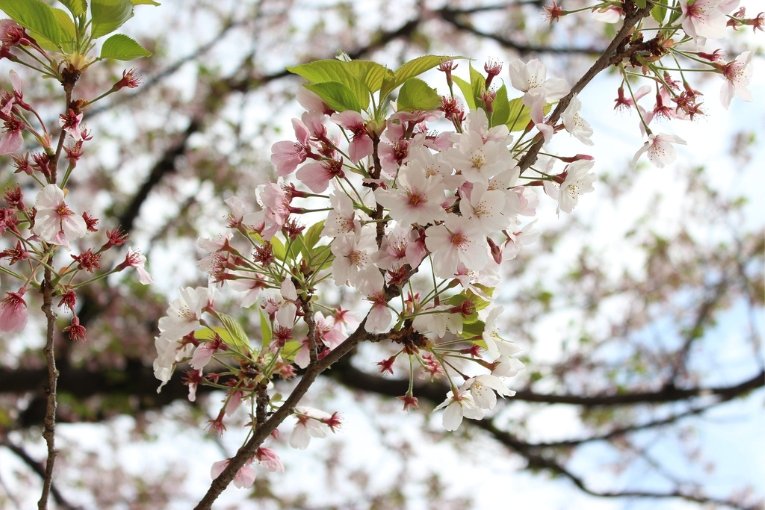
(371, 252)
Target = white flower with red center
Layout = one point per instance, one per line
(361, 144)
(660, 149)
(55, 222)
(531, 78)
(354, 262)
(287, 155)
(483, 208)
(484, 390)
(182, 317)
(737, 74)
(416, 198)
(578, 181)
(433, 166)
(704, 18)
(477, 159)
(458, 406)
(453, 242)
(575, 123)
(137, 260)
(342, 219)
(400, 246)
(311, 423)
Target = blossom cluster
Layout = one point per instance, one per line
(45, 231)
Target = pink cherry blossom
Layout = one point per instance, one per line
(13, 311)
(453, 242)
(55, 222)
(137, 260)
(416, 199)
(287, 155)
(361, 144)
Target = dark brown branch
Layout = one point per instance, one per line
(37, 467)
(610, 56)
(138, 380)
(454, 18)
(547, 462)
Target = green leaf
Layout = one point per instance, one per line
(76, 7)
(411, 69)
(265, 329)
(500, 108)
(278, 248)
(417, 95)
(144, 2)
(370, 73)
(354, 76)
(467, 91)
(473, 329)
(640, 3)
(659, 11)
(122, 47)
(38, 17)
(108, 16)
(336, 95)
(236, 336)
(321, 258)
(313, 234)
(477, 85)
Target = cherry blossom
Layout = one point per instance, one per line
(55, 222)
(737, 74)
(416, 199)
(310, 423)
(575, 124)
(660, 149)
(453, 242)
(456, 406)
(705, 18)
(578, 181)
(13, 311)
(182, 317)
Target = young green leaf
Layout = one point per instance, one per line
(659, 11)
(144, 2)
(108, 16)
(76, 7)
(477, 85)
(38, 17)
(122, 47)
(411, 69)
(336, 95)
(236, 336)
(500, 108)
(265, 329)
(370, 73)
(467, 91)
(278, 248)
(313, 234)
(417, 95)
(346, 74)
